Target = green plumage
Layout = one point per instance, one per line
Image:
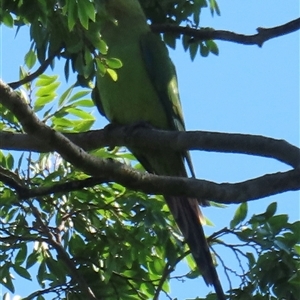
(146, 82)
(146, 91)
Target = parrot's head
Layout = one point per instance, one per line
(123, 11)
(119, 8)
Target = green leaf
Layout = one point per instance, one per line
(214, 7)
(80, 113)
(101, 46)
(56, 269)
(113, 74)
(240, 215)
(186, 40)
(78, 95)
(170, 39)
(21, 255)
(295, 228)
(31, 260)
(278, 222)
(20, 161)
(47, 89)
(191, 262)
(7, 19)
(193, 48)
(297, 249)
(30, 59)
(193, 274)
(204, 50)
(42, 101)
(101, 67)
(156, 266)
(90, 10)
(45, 80)
(65, 96)
(10, 161)
(61, 122)
(251, 259)
(22, 272)
(41, 274)
(271, 209)
(22, 74)
(7, 282)
(76, 244)
(114, 63)
(67, 69)
(83, 103)
(79, 63)
(10, 215)
(86, 12)
(83, 125)
(280, 245)
(72, 13)
(212, 46)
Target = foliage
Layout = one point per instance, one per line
(123, 244)
(78, 39)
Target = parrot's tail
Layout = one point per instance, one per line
(188, 216)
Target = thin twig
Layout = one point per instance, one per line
(62, 254)
(38, 72)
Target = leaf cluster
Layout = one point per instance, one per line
(118, 240)
(72, 30)
(122, 244)
(274, 265)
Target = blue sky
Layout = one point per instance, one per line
(246, 89)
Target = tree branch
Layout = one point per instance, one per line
(106, 170)
(63, 255)
(262, 35)
(165, 140)
(38, 72)
(227, 193)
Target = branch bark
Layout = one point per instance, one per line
(167, 140)
(227, 193)
(105, 170)
(41, 69)
(262, 35)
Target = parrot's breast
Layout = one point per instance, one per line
(132, 98)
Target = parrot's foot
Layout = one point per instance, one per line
(141, 124)
(128, 130)
(130, 127)
(108, 129)
(111, 126)
(137, 125)
(203, 202)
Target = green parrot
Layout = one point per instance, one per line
(146, 91)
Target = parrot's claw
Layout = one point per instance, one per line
(111, 126)
(137, 125)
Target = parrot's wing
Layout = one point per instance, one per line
(97, 99)
(163, 76)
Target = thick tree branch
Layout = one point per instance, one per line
(159, 139)
(227, 193)
(106, 170)
(262, 35)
